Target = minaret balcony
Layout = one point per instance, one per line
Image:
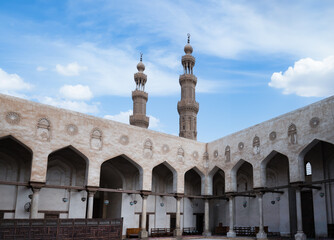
(187, 77)
(183, 106)
(139, 120)
(188, 58)
(139, 94)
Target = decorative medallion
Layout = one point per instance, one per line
(43, 129)
(272, 136)
(165, 148)
(96, 139)
(148, 147)
(124, 140)
(215, 153)
(180, 151)
(195, 155)
(314, 122)
(241, 146)
(13, 118)
(72, 129)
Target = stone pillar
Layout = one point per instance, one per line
(177, 231)
(261, 234)
(90, 204)
(206, 218)
(143, 232)
(300, 235)
(34, 202)
(231, 233)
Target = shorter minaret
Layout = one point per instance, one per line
(188, 107)
(139, 97)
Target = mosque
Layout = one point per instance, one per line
(271, 179)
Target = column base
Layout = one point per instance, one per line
(300, 236)
(207, 234)
(261, 235)
(143, 234)
(177, 232)
(231, 234)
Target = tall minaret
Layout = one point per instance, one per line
(188, 107)
(139, 97)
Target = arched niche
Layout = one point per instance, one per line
(164, 178)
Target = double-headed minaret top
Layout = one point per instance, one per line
(188, 107)
(139, 97)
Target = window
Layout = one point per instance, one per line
(308, 169)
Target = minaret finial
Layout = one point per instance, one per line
(141, 57)
(188, 37)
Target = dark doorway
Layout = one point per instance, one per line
(199, 222)
(307, 213)
(172, 221)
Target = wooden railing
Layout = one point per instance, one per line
(54, 229)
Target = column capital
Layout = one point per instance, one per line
(230, 194)
(145, 193)
(207, 197)
(92, 189)
(36, 186)
(178, 195)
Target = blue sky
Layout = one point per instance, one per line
(255, 60)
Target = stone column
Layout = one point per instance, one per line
(231, 233)
(34, 202)
(177, 231)
(90, 204)
(143, 232)
(206, 218)
(261, 234)
(300, 235)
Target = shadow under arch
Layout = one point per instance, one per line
(18, 152)
(234, 173)
(73, 158)
(211, 177)
(164, 170)
(196, 178)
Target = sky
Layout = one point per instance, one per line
(255, 60)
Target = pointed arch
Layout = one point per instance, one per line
(195, 174)
(234, 172)
(171, 169)
(215, 173)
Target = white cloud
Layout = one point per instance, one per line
(307, 78)
(78, 106)
(12, 82)
(76, 92)
(71, 69)
(41, 69)
(123, 117)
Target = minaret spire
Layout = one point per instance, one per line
(188, 107)
(139, 97)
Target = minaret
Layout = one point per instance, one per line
(188, 107)
(139, 97)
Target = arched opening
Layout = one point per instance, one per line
(124, 174)
(218, 206)
(246, 207)
(15, 166)
(283, 206)
(193, 207)
(317, 204)
(164, 207)
(66, 167)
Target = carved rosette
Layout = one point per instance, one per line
(227, 154)
(72, 129)
(241, 146)
(165, 148)
(148, 148)
(272, 135)
(256, 145)
(13, 118)
(292, 134)
(215, 154)
(43, 131)
(314, 122)
(124, 140)
(96, 141)
(195, 155)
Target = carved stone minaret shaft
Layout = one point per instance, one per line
(139, 97)
(188, 107)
